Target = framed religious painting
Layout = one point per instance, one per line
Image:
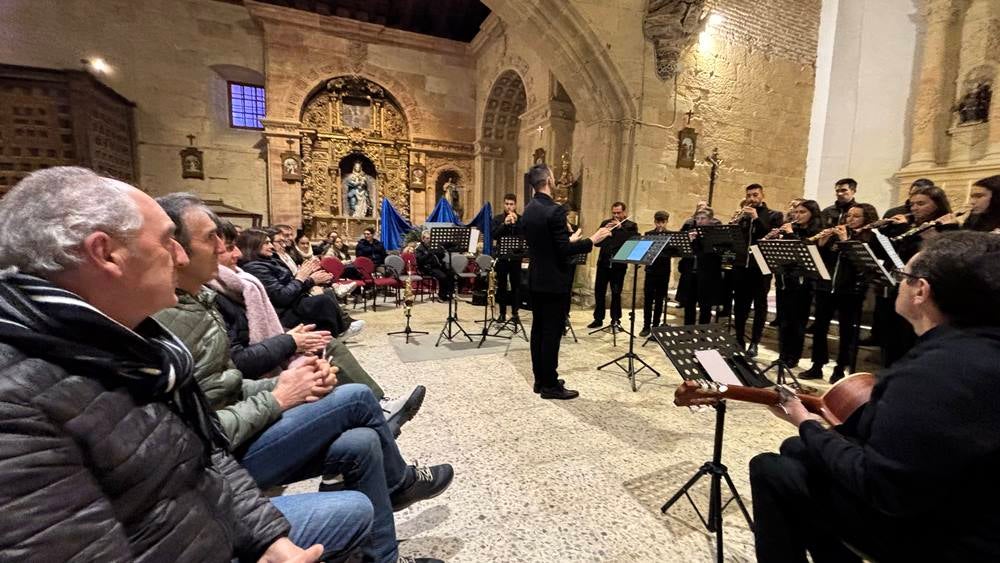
(687, 142)
(192, 163)
(291, 167)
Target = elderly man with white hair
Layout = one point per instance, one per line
(109, 451)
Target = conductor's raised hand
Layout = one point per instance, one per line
(600, 235)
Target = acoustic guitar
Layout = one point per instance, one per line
(835, 406)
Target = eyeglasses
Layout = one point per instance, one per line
(899, 276)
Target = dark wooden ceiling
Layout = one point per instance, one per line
(450, 19)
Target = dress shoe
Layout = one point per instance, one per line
(815, 372)
(838, 374)
(645, 332)
(560, 393)
(427, 483)
(752, 350)
(538, 388)
(596, 324)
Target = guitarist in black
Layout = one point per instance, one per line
(911, 475)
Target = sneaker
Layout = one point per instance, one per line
(428, 483)
(401, 410)
(353, 330)
(838, 374)
(815, 372)
(345, 289)
(645, 332)
(596, 324)
(409, 559)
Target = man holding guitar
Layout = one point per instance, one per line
(910, 475)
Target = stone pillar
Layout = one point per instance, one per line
(932, 106)
(284, 199)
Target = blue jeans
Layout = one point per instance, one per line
(341, 522)
(344, 433)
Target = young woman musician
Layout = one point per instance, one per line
(796, 291)
(844, 294)
(779, 297)
(984, 197)
(927, 203)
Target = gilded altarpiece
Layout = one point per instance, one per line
(352, 128)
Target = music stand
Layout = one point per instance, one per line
(641, 251)
(788, 257)
(678, 245)
(451, 239)
(680, 344)
(513, 248)
(728, 241)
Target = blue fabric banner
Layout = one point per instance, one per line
(394, 226)
(444, 213)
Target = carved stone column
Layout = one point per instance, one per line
(932, 109)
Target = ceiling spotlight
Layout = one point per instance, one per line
(97, 65)
(715, 20)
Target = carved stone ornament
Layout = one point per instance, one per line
(671, 26)
(192, 161)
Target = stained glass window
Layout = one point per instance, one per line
(246, 106)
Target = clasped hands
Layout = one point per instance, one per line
(307, 380)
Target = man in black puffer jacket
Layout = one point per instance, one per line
(108, 449)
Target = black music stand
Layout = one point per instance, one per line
(678, 245)
(791, 258)
(513, 248)
(451, 239)
(637, 251)
(870, 268)
(728, 241)
(680, 344)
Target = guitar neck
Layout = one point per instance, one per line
(770, 397)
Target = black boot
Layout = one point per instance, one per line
(838, 374)
(538, 388)
(815, 372)
(752, 350)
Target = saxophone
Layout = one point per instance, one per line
(407, 297)
(491, 286)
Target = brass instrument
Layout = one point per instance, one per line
(739, 213)
(925, 226)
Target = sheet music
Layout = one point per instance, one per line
(818, 260)
(761, 263)
(717, 368)
(883, 240)
(473, 239)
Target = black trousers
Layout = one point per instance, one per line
(750, 287)
(322, 310)
(654, 293)
(848, 309)
(792, 330)
(508, 285)
(797, 508)
(445, 281)
(896, 335)
(549, 311)
(614, 275)
(704, 294)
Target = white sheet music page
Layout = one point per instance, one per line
(717, 368)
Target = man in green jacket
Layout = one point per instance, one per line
(300, 424)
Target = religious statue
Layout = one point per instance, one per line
(563, 192)
(975, 105)
(359, 186)
(451, 190)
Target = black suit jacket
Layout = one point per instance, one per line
(544, 228)
(502, 229)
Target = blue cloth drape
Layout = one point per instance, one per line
(444, 213)
(394, 226)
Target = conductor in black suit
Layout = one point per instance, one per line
(550, 278)
(609, 273)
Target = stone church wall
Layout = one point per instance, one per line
(171, 59)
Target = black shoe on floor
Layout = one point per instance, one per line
(596, 324)
(644, 333)
(408, 559)
(538, 388)
(752, 350)
(559, 393)
(815, 372)
(838, 374)
(428, 482)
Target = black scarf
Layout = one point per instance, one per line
(55, 325)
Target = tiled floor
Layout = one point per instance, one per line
(559, 481)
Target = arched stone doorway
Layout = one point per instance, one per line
(498, 137)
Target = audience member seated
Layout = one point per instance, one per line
(302, 251)
(432, 263)
(260, 346)
(300, 424)
(291, 294)
(371, 247)
(339, 250)
(283, 238)
(110, 450)
(321, 248)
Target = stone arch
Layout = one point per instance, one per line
(290, 103)
(505, 103)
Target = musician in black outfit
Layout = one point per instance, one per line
(431, 262)
(798, 291)
(508, 270)
(550, 278)
(836, 214)
(706, 272)
(749, 284)
(984, 197)
(608, 273)
(654, 288)
(844, 294)
(911, 475)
